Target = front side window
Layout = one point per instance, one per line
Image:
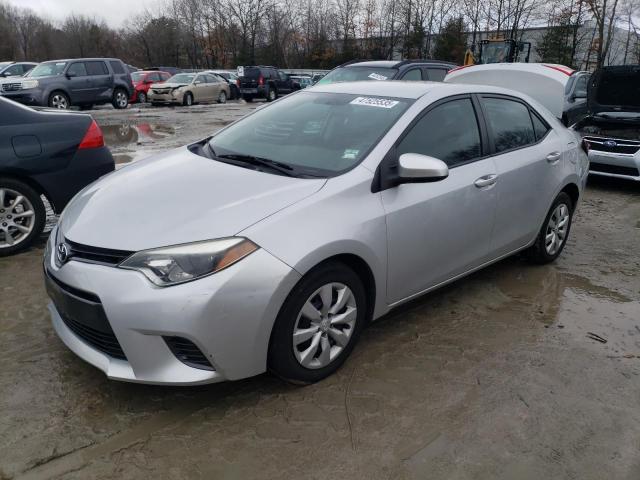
(315, 133)
(448, 132)
(414, 75)
(510, 122)
(78, 69)
(48, 69)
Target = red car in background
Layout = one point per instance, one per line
(142, 80)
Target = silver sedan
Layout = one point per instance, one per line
(273, 243)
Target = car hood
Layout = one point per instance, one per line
(614, 89)
(175, 198)
(170, 85)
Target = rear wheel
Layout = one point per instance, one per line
(22, 216)
(120, 99)
(187, 100)
(222, 98)
(59, 100)
(318, 325)
(554, 232)
(272, 94)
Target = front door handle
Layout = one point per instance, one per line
(486, 181)
(553, 157)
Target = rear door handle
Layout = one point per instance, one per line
(486, 180)
(553, 157)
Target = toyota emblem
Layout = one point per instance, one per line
(62, 253)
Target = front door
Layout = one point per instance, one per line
(79, 85)
(436, 231)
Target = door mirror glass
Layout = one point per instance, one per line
(71, 74)
(417, 168)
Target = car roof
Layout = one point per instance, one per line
(82, 59)
(394, 63)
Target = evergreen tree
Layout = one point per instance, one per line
(452, 42)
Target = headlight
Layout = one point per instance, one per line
(182, 263)
(26, 84)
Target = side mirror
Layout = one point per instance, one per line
(70, 74)
(416, 168)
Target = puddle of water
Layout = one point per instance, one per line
(136, 133)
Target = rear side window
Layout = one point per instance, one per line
(510, 122)
(96, 68)
(540, 128)
(436, 74)
(78, 69)
(413, 75)
(117, 67)
(449, 132)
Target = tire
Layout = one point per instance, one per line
(59, 100)
(248, 98)
(187, 100)
(553, 237)
(272, 94)
(120, 99)
(222, 98)
(11, 216)
(288, 360)
(142, 97)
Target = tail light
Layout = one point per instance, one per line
(260, 80)
(93, 138)
(585, 146)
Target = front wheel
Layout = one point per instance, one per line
(318, 325)
(187, 100)
(22, 216)
(120, 99)
(59, 100)
(554, 232)
(142, 97)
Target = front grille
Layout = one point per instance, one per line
(105, 256)
(83, 314)
(188, 353)
(618, 170)
(11, 87)
(610, 145)
(161, 91)
(105, 342)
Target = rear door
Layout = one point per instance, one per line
(201, 89)
(100, 79)
(437, 231)
(78, 83)
(528, 158)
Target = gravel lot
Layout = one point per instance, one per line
(496, 376)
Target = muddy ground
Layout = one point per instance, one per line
(498, 376)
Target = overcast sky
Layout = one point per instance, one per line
(115, 12)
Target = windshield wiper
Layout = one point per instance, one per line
(279, 167)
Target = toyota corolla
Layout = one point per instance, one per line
(270, 245)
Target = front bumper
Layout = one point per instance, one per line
(31, 97)
(171, 97)
(615, 164)
(228, 316)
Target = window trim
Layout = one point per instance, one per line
(490, 132)
(386, 180)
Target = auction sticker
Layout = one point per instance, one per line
(374, 102)
(377, 76)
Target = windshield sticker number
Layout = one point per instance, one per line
(377, 76)
(374, 102)
(350, 154)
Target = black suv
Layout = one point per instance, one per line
(416, 70)
(81, 81)
(264, 82)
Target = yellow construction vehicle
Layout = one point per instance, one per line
(498, 50)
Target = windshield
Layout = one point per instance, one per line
(495, 52)
(182, 78)
(354, 74)
(4, 64)
(137, 76)
(320, 134)
(47, 69)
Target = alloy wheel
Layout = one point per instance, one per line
(324, 325)
(142, 97)
(557, 228)
(121, 99)
(59, 101)
(17, 217)
(222, 98)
